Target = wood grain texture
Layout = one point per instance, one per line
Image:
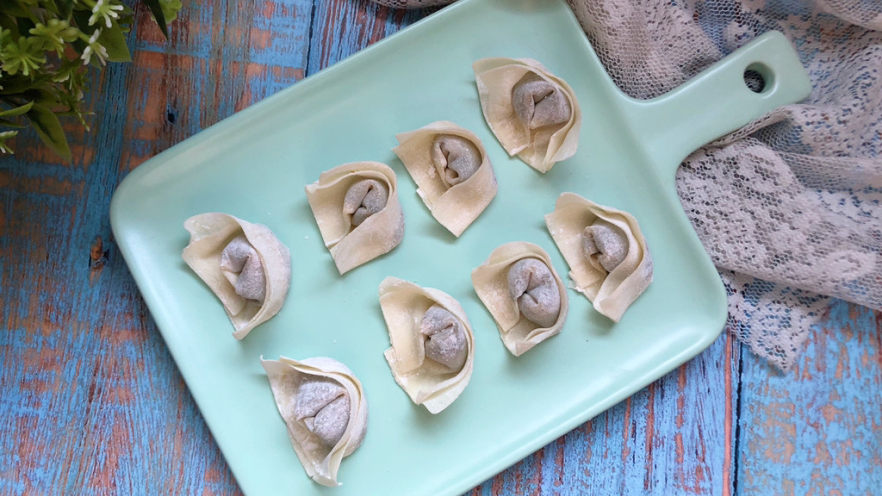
(669, 438)
(817, 429)
(343, 27)
(91, 402)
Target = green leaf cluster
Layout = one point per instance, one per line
(47, 48)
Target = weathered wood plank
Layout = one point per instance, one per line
(92, 402)
(818, 428)
(221, 58)
(673, 437)
(343, 27)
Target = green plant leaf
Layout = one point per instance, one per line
(81, 21)
(48, 128)
(64, 8)
(114, 41)
(46, 97)
(43, 85)
(16, 110)
(170, 9)
(5, 135)
(4, 148)
(8, 123)
(7, 21)
(156, 10)
(15, 84)
(16, 9)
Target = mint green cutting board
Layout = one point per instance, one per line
(255, 165)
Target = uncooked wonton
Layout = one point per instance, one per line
(433, 348)
(606, 251)
(523, 293)
(357, 211)
(453, 175)
(244, 264)
(324, 407)
(533, 113)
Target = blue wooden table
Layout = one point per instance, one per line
(91, 402)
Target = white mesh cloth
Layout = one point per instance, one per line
(790, 206)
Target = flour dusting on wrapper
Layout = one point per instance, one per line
(243, 264)
(522, 291)
(608, 257)
(533, 113)
(453, 175)
(357, 212)
(325, 411)
(432, 346)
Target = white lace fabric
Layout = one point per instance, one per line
(790, 206)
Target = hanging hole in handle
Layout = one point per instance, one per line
(758, 77)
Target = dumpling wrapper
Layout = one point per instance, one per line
(425, 382)
(454, 207)
(490, 280)
(610, 292)
(209, 235)
(285, 378)
(376, 235)
(540, 148)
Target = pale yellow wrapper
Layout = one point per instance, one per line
(491, 284)
(425, 382)
(543, 147)
(610, 292)
(455, 207)
(209, 235)
(378, 234)
(285, 376)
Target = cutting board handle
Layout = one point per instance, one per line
(718, 101)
